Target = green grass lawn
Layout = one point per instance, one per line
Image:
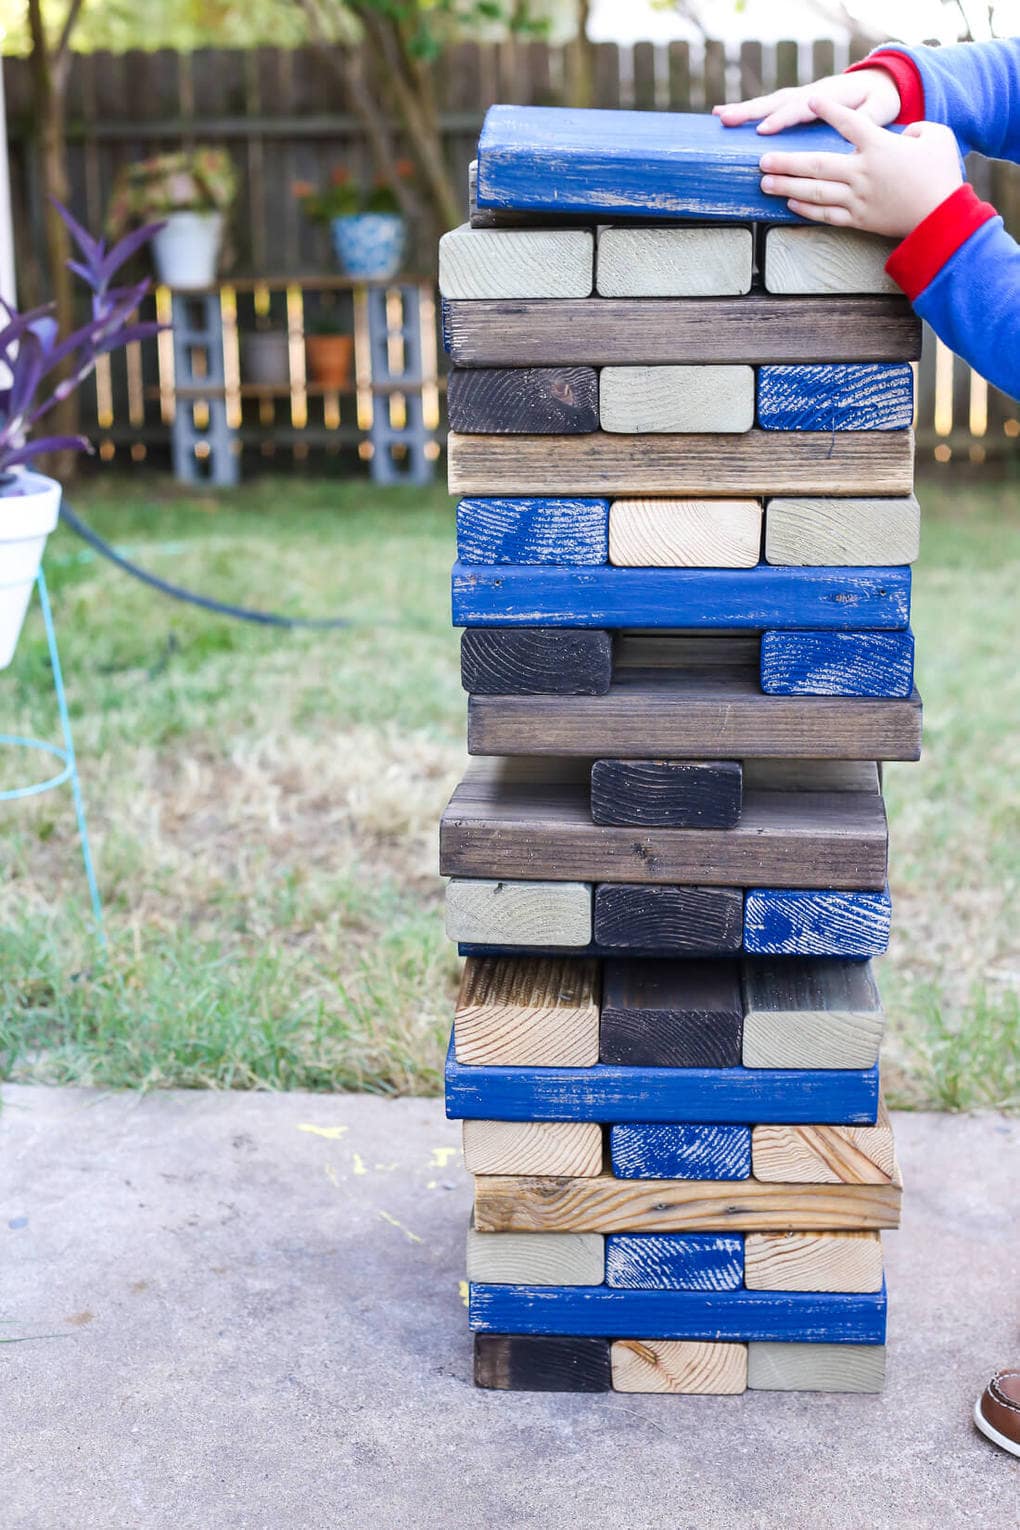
(264, 804)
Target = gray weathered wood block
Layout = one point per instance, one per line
(685, 533)
(823, 260)
(487, 912)
(676, 400)
(870, 533)
(714, 261)
(810, 1012)
(536, 1259)
(516, 263)
(815, 1367)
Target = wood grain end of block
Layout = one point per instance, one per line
(516, 263)
(524, 1011)
(536, 1259)
(683, 1366)
(854, 532)
(824, 1155)
(484, 911)
(569, 1149)
(773, 1367)
(674, 262)
(532, 1363)
(808, 1261)
(683, 400)
(685, 533)
(818, 261)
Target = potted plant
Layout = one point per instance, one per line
(367, 228)
(265, 355)
(189, 191)
(43, 370)
(330, 351)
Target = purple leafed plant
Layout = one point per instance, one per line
(44, 370)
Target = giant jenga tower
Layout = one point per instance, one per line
(680, 424)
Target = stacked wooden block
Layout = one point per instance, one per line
(685, 532)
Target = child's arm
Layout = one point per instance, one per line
(974, 88)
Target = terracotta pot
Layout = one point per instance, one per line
(331, 360)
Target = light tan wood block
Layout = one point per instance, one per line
(685, 533)
(604, 1204)
(516, 263)
(536, 1259)
(810, 1012)
(676, 400)
(775, 1367)
(486, 912)
(714, 261)
(528, 1011)
(877, 533)
(813, 1261)
(678, 1365)
(570, 1148)
(825, 1155)
(823, 260)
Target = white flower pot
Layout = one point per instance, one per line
(28, 513)
(187, 250)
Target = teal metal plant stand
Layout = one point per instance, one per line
(65, 756)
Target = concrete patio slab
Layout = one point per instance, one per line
(242, 1312)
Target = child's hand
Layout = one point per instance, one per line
(871, 91)
(888, 186)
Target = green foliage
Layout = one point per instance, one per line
(190, 180)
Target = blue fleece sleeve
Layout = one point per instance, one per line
(974, 88)
(973, 305)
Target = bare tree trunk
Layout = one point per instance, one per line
(581, 60)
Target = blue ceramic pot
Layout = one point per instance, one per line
(369, 246)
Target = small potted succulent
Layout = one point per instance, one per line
(328, 348)
(190, 192)
(43, 370)
(367, 228)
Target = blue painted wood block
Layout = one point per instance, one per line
(614, 164)
(878, 396)
(557, 531)
(803, 1317)
(840, 599)
(682, 1151)
(837, 663)
(794, 922)
(675, 1261)
(834, 1096)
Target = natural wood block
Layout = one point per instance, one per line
(837, 663)
(673, 1261)
(810, 1012)
(680, 1151)
(483, 911)
(762, 462)
(713, 261)
(675, 794)
(828, 532)
(532, 1363)
(811, 1261)
(759, 330)
(873, 396)
(573, 1148)
(516, 263)
(684, 920)
(527, 661)
(795, 839)
(526, 1010)
(685, 533)
(536, 1259)
(514, 401)
(809, 921)
(671, 399)
(671, 1014)
(825, 1155)
(826, 260)
(815, 1367)
(609, 1205)
(562, 530)
(685, 1366)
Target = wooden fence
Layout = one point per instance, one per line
(284, 118)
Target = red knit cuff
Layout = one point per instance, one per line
(918, 260)
(906, 77)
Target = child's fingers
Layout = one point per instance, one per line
(787, 115)
(815, 167)
(855, 126)
(832, 193)
(839, 217)
(735, 112)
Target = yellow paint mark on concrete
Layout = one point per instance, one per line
(441, 1157)
(332, 1133)
(386, 1168)
(463, 1289)
(405, 1230)
(432, 1184)
(359, 1163)
(331, 1175)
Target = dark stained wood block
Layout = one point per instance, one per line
(671, 1014)
(534, 1363)
(678, 794)
(654, 331)
(528, 661)
(632, 917)
(530, 830)
(523, 401)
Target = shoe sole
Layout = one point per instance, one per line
(990, 1433)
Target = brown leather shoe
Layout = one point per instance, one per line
(997, 1411)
